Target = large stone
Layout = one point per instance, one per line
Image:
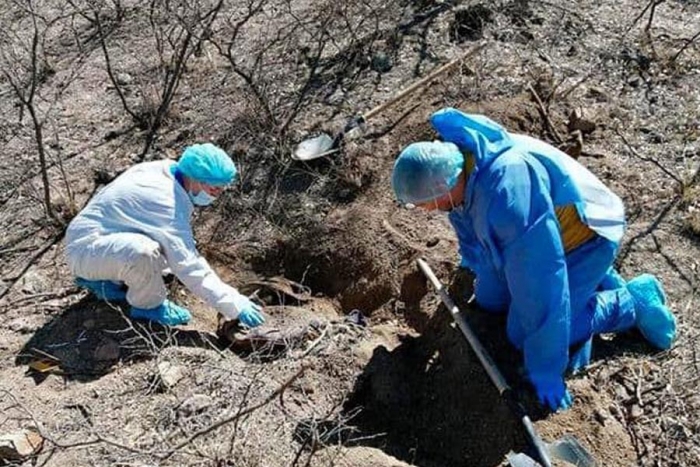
(20, 445)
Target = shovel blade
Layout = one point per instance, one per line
(313, 148)
(521, 460)
(566, 449)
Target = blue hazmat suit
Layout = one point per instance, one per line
(509, 236)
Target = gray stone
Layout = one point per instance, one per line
(124, 79)
(635, 412)
(381, 62)
(23, 325)
(33, 282)
(195, 404)
(107, 350)
(170, 374)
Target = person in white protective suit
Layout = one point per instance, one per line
(139, 225)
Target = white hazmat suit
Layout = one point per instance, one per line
(134, 229)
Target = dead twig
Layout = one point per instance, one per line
(45, 435)
(39, 253)
(647, 159)
(654, 4)
(685, 46)
(651, 5)
(553, 133)
(316, 341)
(45, 296)
(638, 388)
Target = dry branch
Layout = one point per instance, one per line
(648, 159)
(38, 254)
(685, 46)
(545, 116)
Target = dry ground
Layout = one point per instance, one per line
(257, 76)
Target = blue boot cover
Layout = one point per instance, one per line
(580, 356)
(167, 314)
(612, 280)
(654, 320)
(104, 290)
(615, 311)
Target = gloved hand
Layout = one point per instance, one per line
(552, 392)
(249, 313)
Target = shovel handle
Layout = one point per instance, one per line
(421, 82)
(496, 377)
(491, 369)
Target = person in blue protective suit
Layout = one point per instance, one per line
(138, 226)
(540, 232)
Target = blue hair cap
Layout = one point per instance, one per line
(426, 171)
(208, 164)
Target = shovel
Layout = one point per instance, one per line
(325, 144)
(567, 448)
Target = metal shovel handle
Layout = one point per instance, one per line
(491, 369)
(486, 361)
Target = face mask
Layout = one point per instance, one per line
(202, 198)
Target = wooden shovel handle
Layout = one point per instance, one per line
(423, 81)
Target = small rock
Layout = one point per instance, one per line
(20, 445)
(381, 62)
(33, 283)
(598, 94)
(195, 404)
(614, 411)
(600, 416)
(636, 412)
(337, 97)
(573, 146)
(22, 325)
(124, 79)
(170, 374)
(577, 121)
(107, 350)
(89, 324)
(621, 393)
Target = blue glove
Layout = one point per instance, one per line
(551, 392)
(249, 313)
(463, 263)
